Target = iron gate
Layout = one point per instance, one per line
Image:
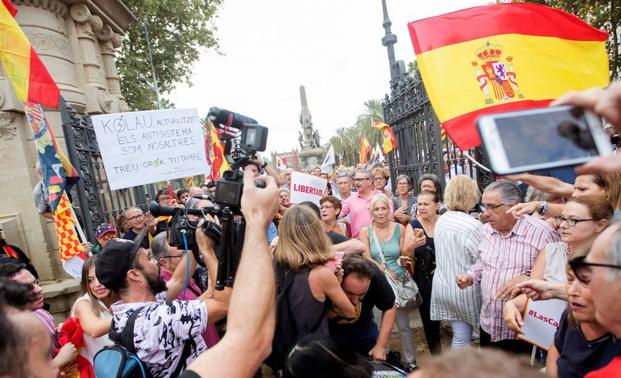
(421, 147)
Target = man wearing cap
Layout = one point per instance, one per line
(167, 333)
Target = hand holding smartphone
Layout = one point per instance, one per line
(543, 138)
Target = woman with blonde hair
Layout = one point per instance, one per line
(92, 308)
(386, 240)
(456, 241)
(307, 284)
(380, 180)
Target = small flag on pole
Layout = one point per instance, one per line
(388, 139)
(365, 149)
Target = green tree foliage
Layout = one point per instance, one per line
(178, 29)
(601, 14)
(346, 142)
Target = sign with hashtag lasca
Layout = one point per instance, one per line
(151, 146)
(541, 319)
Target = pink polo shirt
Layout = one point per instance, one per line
(357, 207)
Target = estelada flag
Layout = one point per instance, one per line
(21, 64)
(504, 57)
(57, 172)
(218, 161)
(388, 139)
(365, 149)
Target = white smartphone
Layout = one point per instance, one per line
(543, 138)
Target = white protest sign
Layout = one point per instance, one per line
(306, 188)
(541, 319)
(143, 147)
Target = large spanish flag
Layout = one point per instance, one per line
(21, 64)
(365, 149)
(504, 57)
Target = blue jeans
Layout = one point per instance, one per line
(361, 341)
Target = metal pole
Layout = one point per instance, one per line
(154, 76)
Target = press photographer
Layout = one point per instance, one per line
(164, 333)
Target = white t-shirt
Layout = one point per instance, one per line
(92, 344)
(161, 330)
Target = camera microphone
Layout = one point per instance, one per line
(204, 197)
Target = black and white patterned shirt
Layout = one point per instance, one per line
(162, 329)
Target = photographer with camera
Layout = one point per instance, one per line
(166, 333)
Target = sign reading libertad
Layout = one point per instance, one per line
(143, 147)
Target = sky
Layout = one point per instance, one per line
(333, 47)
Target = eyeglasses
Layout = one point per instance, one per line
(571, 221)
(107, 236)
(379, 179)
(362, 179)
(135, 217)
(171, 257)
(583, 269)
(327, 207)
(485, 207)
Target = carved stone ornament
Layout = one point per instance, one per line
(117, 40)
(80, 12)
(96, 23)
(50, 44)
(104, 100)
(54, 6)
(105, 34)
(8, 130)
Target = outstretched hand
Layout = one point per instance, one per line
(259, 204)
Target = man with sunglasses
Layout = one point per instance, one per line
(508, 250)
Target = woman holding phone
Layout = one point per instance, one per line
(425, 262)
(404, 200)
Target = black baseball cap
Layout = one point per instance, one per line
(115, 260)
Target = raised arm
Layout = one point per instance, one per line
(248, 339)
(545, 184)
(91, 324)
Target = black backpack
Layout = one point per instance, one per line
(286, 334)
(121, 360)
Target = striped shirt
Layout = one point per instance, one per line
(457, 237)
(505, 257)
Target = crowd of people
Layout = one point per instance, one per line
(320, 287)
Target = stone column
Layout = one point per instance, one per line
(97, 98)
(109, 41)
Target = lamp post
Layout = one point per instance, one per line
(397, 67)
(153, 85)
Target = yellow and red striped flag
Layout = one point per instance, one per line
(504, 57)
(388, 139)
(365, 149)
(218, 162)
(68, 243)
(22, 66)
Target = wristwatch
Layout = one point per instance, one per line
(543, 207)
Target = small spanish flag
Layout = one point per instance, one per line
(365, 149)
(388, 139)
(21, 64)
(504, 57)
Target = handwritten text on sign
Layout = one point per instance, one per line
(541, 319)
(151, 146)
(307, 188)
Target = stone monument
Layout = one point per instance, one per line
(311, 153)
(76, 40)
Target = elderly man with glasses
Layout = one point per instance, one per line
(508, 250)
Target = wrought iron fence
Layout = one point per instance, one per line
(421, 147)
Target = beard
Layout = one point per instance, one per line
(156, 283)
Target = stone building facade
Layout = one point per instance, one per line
(77, 41)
